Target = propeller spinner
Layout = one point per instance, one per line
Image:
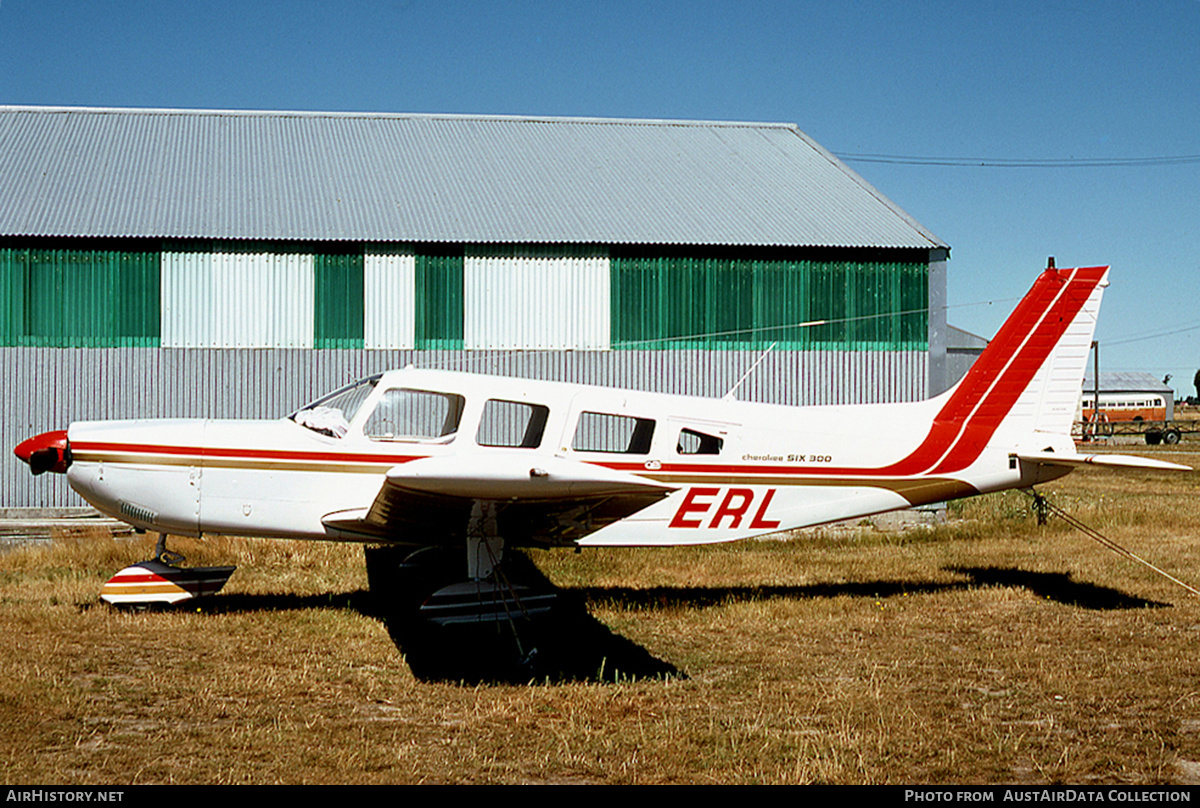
(49, 451)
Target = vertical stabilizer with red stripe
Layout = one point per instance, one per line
(1050, 401)
(1025, 386)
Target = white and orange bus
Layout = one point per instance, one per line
(1132, 406)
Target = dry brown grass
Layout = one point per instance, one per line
(986, 650)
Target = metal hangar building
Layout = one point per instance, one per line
(225, 264)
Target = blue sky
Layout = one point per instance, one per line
(995, 81)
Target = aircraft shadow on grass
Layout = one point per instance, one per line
(571, 645)
(1056, 586)
(567, 644)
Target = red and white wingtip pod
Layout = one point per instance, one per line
(153, 581)
(49, 451)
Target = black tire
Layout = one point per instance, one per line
(1153, 437)
(400, 578)
(1171, 436)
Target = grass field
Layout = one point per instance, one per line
(984, 650)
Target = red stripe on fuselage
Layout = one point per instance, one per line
(203, 452)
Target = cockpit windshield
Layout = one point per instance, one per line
(332, 414)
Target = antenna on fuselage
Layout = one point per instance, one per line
(729, 396)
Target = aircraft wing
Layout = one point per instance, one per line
(543, 500)
(1104, 460)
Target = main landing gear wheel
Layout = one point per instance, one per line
(428, 581)
(401, 578)
(451, 629)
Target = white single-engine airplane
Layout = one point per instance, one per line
(425, 458)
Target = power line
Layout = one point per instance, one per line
(1024, 162)
(1153, 335)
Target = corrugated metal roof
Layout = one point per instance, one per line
(1128, 382)
(391, 177)
(961, 339)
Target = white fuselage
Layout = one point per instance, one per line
(738, 469)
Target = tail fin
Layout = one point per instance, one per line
(1028, 379)
(1050, 399)
(1041, 359)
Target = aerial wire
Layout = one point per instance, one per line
(1022, 162)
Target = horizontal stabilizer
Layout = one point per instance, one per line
(1104, 460)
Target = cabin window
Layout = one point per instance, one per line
(692, 442)
(415, 415)
(621, 434)
(512, 423)
(332, 414)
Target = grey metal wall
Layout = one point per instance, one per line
(48, 388)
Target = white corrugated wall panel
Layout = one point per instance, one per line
(536, 301)
(389, 299)
(237, 299)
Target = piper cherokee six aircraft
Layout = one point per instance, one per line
(473, 463)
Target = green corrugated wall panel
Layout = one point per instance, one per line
(79, 297)
(773, 291)
(12, 306)
(439, 299)
(914, 302)
(338, 300)
(698, 302)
